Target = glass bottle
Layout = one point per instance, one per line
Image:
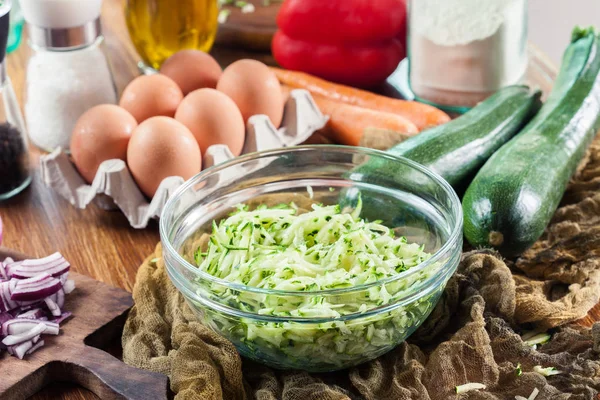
(68, 70)
(14, 156)
(462, 51)
(158, 29)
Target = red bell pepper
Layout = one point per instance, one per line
(354, 42)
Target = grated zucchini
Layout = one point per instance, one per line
(279, 248)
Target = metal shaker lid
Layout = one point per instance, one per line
(62, 24)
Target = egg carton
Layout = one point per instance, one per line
(114, 187)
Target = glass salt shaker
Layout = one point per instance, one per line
(68, 71)
(14, 156)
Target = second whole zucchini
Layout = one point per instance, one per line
(515, 194)
(457, 149)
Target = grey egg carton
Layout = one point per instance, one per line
(114, 187)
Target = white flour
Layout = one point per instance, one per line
(458, 22)
(61, 86)
(461, 51)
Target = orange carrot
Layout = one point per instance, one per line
(422, 115)
(347, 123)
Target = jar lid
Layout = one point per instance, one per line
(60, 14)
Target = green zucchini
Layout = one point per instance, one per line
(456, 150)
(515, 194)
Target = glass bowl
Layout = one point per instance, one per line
(407, 197)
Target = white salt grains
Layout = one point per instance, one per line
(61, 86)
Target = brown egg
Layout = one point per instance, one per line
(192, 69)
(213, 118)
(150, 96)
(254, 88)
(101, 133)
(161, 147)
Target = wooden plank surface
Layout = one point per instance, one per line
(98, 243)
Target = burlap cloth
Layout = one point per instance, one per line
(471, 336)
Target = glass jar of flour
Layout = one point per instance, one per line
(462, 51)
(68, 71)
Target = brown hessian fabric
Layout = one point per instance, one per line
(472, 336)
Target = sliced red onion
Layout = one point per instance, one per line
(60, 298)
(55, 269)
(30, 291)
(18, 326)
(62, 318)
(21, 349)
(10, 264)
(53, 307)
(36, 288)
(69, 286)
(35, 347)
(36, 313)
(33, 281)
(54, 265)
(5, 317)
(43, 261)
(28, 305)
(3, 265)
(6, 302)
(3, 276)
(25, 326)
(12, 340)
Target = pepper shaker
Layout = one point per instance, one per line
(68, 71)
(14, 156)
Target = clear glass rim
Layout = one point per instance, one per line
(454, 237)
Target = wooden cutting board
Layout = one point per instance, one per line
(75, 355)
(252, 31)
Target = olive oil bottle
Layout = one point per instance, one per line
(160, 28)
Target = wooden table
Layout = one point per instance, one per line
(98, 243)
